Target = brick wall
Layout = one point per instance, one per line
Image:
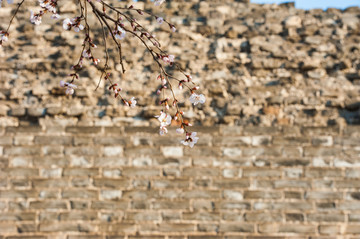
(81, 182)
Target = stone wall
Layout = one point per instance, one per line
(258, 65)
(125, 182)
(278, 155)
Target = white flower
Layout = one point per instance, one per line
(132, 102)
(165, 119)
(190, 140)
(78, 28)
(159, 2)
(120, 33)
(3, 36)
(195, 98)
(69, 87)
(35, 18)
(163, 130)
(69, 91)
(67, 24)
(169, 59)
(86, 54)
(55, 16)
(160, 20)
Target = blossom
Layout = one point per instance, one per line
(195, 98)
(165, 119)
(75, 23)
(119, 33)
(78, 27)
(163, 130)
(160, 20)
(168, 59)
(132, 102)
(86, 54)
(190, 139)
(4, 36)
(35, 18)
(69, 87)
(159, 2)
(67, 24)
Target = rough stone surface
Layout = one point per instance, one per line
(278, 155)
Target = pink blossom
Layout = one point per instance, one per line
(190, 139)
(195, 98)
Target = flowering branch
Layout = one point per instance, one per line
(117, 22)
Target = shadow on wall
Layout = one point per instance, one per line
(351, 115)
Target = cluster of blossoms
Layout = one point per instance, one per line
(116, 22)
(73, 23)
(47, 6)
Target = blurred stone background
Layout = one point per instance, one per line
(278, 155)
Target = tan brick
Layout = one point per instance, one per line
(140, 194)
(53, 140)
(83, 151)
(6, 140)
(263, 217)
(294, 217)
(48, 205)
(324, 195)
(268, 228)
(81, 172)
(50, 183)
(6, 227)
(172, 183)
(162, 204)
(74, 216)
(297, 228)
(80, 193)
(111, 183)
(109, 205)
(58, 227)
(326, 217)
(201, 216)
(329, 229)
(232, 205)
(24, 129)
(17, 216)
(353, 229)
(262, 194)
(86, 237)
(83, 130)
(262, 172)
(21, 150)
(199, 172)
(236, 227)
(141, 172)
(26, 227)
(347, 184)
(109, 140)
(323, 172)
(142, 216)
(172, 151)
(110, 194)
(18, 194)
